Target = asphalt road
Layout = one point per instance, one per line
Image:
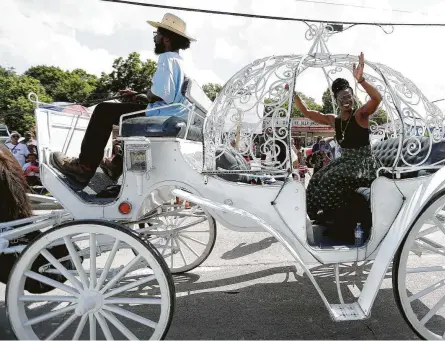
(250, 288)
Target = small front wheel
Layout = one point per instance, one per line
(117, 286)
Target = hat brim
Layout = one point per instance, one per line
(169, 28)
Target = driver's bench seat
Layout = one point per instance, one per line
(173, 126)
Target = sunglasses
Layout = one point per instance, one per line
(14, 136)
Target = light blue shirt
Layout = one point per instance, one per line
(167, 84)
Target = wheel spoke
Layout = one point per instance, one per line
(110, 260)
(77, 262)
(93, 253)
(51, 282)
(185, 227)
(180, 251)
(125, 300)
(92, 320)
(104, 326)
(428, 231)
(439, 224)
(425, 269)
(424, 245)
(427, 290)
(47, 316)
(197, 231)
(131, 316)
(172, 254)
(190, 238)
(165, 247)
(129, 286)
(433, 311)
(62, 269)
(62, 327)
(121, 273)
(80, 327)
(188, 246)
(118, 324)
(44, 298)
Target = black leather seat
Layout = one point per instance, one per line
(386, 153)
(160, 126)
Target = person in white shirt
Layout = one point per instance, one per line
(19, 150)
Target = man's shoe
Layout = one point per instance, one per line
(113, 168)
(71, 168)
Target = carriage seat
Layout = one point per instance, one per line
(386, 152)
(172, 126)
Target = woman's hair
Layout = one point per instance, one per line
(340, 84)
(178, 42)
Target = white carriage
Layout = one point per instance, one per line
(184, 160)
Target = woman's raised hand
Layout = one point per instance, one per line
(357, 71)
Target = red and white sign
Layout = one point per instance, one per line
(306, 124)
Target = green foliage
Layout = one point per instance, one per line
(64, 86)
(328, 108)
(380, 117)
(15, 108)
(130, 73)
(212, 90)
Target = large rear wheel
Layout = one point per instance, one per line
(419, 273)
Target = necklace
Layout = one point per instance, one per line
(341, 128)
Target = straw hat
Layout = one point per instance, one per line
(174, 24)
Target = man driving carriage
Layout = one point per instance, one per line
(331, 186)
(168, 82)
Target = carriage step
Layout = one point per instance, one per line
(347, 312)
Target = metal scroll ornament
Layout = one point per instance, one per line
(251, 116)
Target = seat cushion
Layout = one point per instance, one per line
(160, 126)
(386, 152)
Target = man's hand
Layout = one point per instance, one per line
(128, 95)
(152, 97)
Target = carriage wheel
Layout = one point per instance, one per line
(117, 287)
(185, 235)
(419, 273)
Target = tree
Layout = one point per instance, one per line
(130, 73)
(212, 90)
(64, 86)
(15, 108)
(310, 104)
(380, 117)
(328, 108)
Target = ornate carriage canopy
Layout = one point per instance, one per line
(251, 116)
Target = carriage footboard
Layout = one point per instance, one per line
(338, 312)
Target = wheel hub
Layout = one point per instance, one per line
(90, 301)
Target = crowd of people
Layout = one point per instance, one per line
(25, 152)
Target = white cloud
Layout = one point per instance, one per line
(53, 32)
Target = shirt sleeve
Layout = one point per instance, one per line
(163, 84)
(26, 165)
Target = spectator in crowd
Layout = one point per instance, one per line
(316, 145)
(31, 171)
(322, 157)
(30, 142)
(19, 150)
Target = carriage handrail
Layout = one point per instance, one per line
(37, 103)
(399, 170)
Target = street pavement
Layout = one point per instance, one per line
(251, 288)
